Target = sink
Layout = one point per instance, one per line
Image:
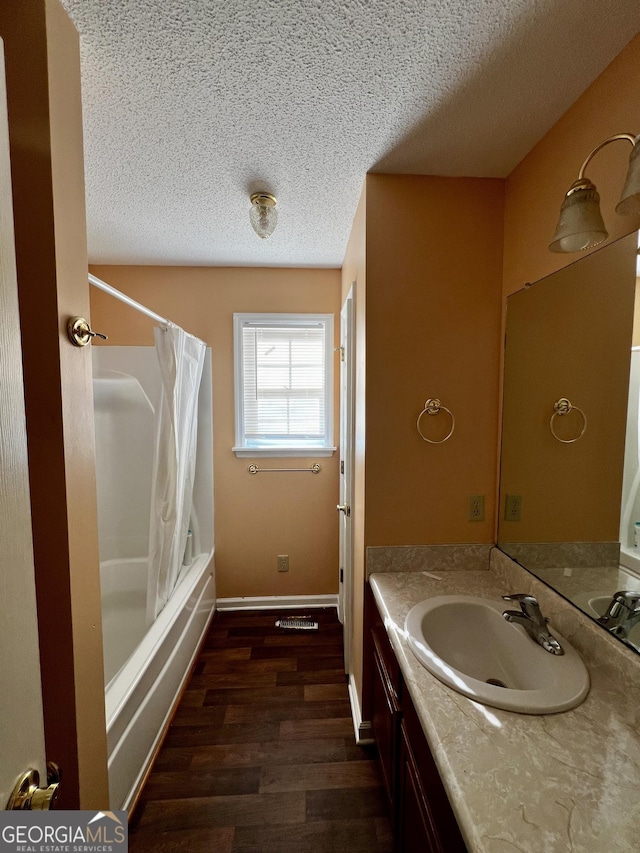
(466, 643)
(596, 603)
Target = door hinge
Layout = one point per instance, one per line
(342, 466)
(341, 575)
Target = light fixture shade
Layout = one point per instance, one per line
(580, 225)
(630, 199)
(263, 214)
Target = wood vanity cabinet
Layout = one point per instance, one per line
(422, 818)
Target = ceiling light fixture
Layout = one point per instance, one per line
(263, 214)
(580, 225)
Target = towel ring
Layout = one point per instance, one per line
(562, 407)
(432, 407)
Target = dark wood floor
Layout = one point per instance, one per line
(261, 753)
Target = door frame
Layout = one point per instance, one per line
(347, 436)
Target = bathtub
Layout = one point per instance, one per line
(146, 670)
(630, 559)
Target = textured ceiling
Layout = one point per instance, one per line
(190, 105)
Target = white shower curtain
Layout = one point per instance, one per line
(181, 359)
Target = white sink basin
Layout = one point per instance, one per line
(593, 603)
(467, 644)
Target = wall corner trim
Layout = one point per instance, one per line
(363, 729)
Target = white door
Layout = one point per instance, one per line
(21, 721)
(346, 472)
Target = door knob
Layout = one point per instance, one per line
(345, 508)
(28, 796)
(80, 332)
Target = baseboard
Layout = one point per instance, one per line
(277, 602)
(362, 729)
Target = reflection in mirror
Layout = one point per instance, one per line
(570, 470)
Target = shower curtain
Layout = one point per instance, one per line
(181, 359)
(631, 479)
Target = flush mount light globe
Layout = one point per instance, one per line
(580, 225)
(263, 214)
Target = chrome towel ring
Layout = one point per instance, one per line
(561, 408)
(433, 406)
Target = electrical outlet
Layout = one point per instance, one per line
(475, 507)
(513, 508)
(283, 562)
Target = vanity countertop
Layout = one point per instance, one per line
(532, 784)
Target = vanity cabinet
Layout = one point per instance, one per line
(422, 818)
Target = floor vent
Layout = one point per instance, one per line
(298, 623)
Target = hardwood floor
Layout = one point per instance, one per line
(261, 754)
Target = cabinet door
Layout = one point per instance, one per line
(385, 723)
(415, 833)
(422, 818)
(423, 806)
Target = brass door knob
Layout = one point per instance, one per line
(80, 332)
(28, 796)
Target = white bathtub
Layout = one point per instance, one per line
(124, 591)
(630, 559)
(145, 672)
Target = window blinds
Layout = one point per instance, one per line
(284, 376)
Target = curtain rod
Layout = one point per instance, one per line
(102, 285)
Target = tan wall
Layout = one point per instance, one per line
(434, 264)
(535, 189)
(256, 516)
(431, 313)
(354, 278)
(45, 127)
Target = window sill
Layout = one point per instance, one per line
(283, 452)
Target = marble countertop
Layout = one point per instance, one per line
(533, 784)
(594, 580)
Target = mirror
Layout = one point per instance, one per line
(570, 472)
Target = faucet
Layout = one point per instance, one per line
(622, 614)
(531, 618)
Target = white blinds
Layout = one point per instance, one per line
(284, 383)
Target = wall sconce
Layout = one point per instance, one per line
(263, 214)
(580, 225)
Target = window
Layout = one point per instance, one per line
(284, 384)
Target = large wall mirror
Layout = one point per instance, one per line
(570, 470)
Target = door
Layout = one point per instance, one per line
(21, 720)
(43, 94)
(346, 472)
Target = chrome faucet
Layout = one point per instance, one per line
(531, 618)
(622, 614)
